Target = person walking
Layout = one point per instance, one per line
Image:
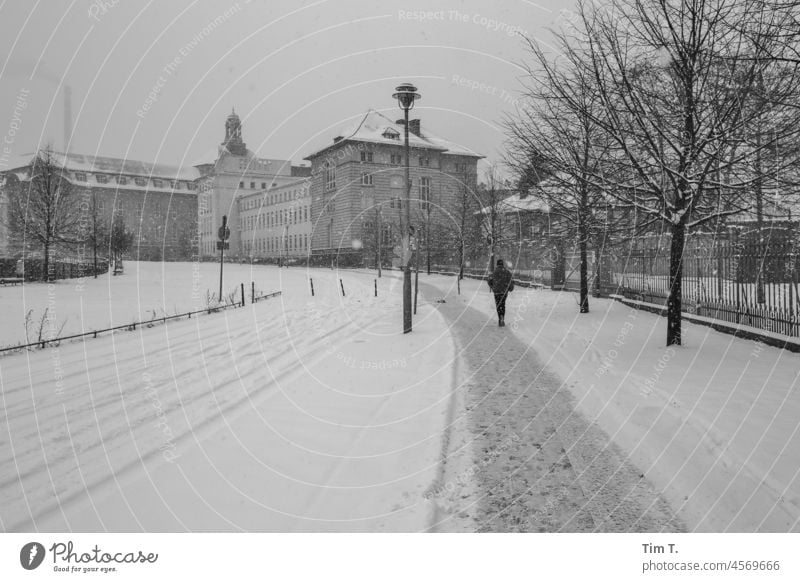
(501, 283)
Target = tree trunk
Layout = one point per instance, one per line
(584, 294)
(675, 282)
(379, 227)
(760, 247)
(46, 260)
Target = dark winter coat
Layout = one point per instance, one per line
(500, 281)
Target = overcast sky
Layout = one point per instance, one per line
(294, 71)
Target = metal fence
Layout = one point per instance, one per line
(741, 281)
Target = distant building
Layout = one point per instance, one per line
(275, 223)
(231, 173)
(157, 202)
(358, 187)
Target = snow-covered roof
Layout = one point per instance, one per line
(516, 203)
(374, 127)
(530, 203)
(105, 165)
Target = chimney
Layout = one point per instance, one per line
(413, 127)
(67, 117)
(401, 122)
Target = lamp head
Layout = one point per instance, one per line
(406, 95)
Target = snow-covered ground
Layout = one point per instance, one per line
(307, 413)
(712, 424)
(296, 413)
(147, 290)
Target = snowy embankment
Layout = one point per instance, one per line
(296, 413)
(712, 424)
(146, 291)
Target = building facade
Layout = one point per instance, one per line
(358, 189)
(156, 202)
(275, 224)
(232, 173)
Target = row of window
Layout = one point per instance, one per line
(397, 160)
(253, 185)
(137, 180)
(275, 244)
(285, 216)
(387, 237)
(424, 184)
(367, 180)
(269, 199)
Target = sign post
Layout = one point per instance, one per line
(224, 233)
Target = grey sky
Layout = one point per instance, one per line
(295, 71)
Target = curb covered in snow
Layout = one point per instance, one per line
(742, 331)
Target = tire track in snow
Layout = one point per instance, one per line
(63, 465)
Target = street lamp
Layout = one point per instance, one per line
(406, 95)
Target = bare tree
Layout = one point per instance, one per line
(46, 210)
(672, 77)
(556, 149)
(120, 239)
(491, 194)
(97, 233)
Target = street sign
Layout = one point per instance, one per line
(223, 233)
(221, 245)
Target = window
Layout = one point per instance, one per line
(122, 180)
(263, 185)
(174, 184)
(390, 133)
(140, 181)
(158, 183)
(396, 159)
(80, 176)
(424, 192)
(191, 186)
(241, 184)
(330, 178)
(424, 162)
(460, 167)
(386, 234)
(366, 178)
(252, 185)
(101, 178)
(366, 156)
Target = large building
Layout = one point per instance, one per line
(275, 223)
(358, 187)
(231, 173)
(157, 202)
(175, 212)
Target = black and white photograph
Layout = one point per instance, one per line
(356, 268)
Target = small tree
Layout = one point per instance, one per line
(46, 210)
(97, 234)
(490, 195)
(120, 239)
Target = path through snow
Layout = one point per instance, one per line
(538, 464)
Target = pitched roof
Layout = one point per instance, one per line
(102, 164)
(374, 127)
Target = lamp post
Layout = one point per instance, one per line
(406, 95)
